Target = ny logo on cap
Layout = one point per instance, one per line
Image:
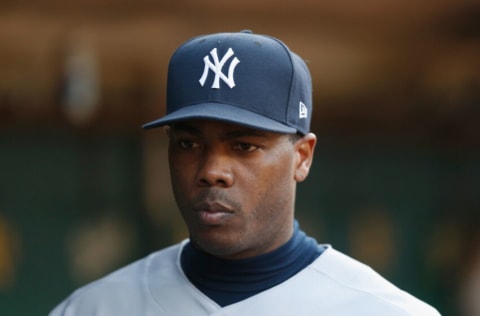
(217, 66)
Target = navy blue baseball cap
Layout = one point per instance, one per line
(242, 78)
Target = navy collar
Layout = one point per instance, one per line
(230, 281)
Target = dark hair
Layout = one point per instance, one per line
(295, 137)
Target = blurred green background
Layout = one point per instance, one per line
(396, 177)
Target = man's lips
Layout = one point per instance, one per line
(212, 213)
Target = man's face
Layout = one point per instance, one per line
(234, 186)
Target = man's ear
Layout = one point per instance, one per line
(167, 130)
(304, 147)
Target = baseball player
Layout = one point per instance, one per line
(238, 121)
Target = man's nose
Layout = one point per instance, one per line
(215, 170)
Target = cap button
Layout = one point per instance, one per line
(246, 31)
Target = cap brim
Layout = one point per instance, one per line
(222, 112)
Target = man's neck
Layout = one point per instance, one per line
(230, 281)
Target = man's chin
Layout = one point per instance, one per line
(217, 245)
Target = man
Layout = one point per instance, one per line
(238, 116)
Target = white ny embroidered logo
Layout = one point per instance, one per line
(217, 66)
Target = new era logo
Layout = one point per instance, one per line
(302, 110)
(216, 67)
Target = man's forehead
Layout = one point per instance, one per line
(199, 126)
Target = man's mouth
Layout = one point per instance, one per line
(212, 213)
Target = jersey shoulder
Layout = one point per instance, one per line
(111, 290)
(359, 285)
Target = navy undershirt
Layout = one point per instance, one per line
(230, 281)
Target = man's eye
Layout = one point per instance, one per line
(246, 147)
(187, 144)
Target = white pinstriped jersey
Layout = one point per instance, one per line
(333, 285)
